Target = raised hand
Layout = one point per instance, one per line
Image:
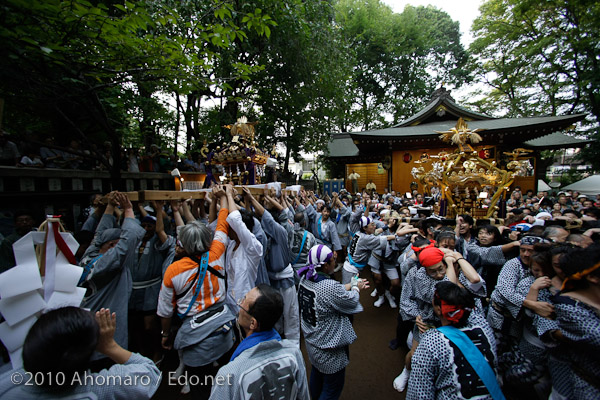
(107, 323)
(123, 201)
(541, 283)
(175, 204)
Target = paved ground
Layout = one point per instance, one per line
(373, 366)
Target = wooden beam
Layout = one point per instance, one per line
(253, 190)
(148, 195)
(133, 196)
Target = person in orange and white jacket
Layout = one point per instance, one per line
(194, 288)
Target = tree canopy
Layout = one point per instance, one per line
(540, 58)
(397, 59)
(137, 73)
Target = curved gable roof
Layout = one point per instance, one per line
(442, 107)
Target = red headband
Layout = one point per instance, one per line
(453, 313)
(430, 256)
(418, 249)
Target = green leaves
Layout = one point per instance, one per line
(531, 54)
(539, 58)
(259, 22)
(304, 68)
(102, 64)
(397, 59)
(223, 12)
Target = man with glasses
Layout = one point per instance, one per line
(263, 365)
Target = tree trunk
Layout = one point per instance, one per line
(187, 115)
(146, 123)
(115, 170)
(177, 122)
(288, 135)
(230, 112)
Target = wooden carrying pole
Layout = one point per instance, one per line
(148, 195)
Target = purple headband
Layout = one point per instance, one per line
(317, 256)
(364, 221)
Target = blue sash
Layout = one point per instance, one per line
(355, 264)
(321, 233)
(319, 228)
(87, 269)
(301, 247)
(201, 274)
(475, 358)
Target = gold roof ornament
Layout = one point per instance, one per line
(242, 128)
(460, 135)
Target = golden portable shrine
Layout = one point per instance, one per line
(241, 161)
(469, 184)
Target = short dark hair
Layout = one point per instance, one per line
(593, 211)
(571, 211)
(299, 218)
(453, 294)
(421, 241)
(247, 218)
(445, 233)
(429, 223)
(468, 219)
(61, 341)
(267, 307)
(23, 213)
(489, 228)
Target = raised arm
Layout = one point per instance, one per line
(450, 271)
(259, 210)
(367, 207)
(230, 192)
(201, 207)
(187, 213)
(284, 200)
(297, 201)
(212, 209)
(310, 199)
(107, 345)
(466, 268)
(337, 202)
(143, 212)
(125, 204)
(273, 202)
(175, 206)
(160, 224)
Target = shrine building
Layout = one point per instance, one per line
(387, 156)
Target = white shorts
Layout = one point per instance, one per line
(388, 269)
(391, 273)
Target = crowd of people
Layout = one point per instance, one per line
(235, 281)
(29, 152)
(32, 153)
